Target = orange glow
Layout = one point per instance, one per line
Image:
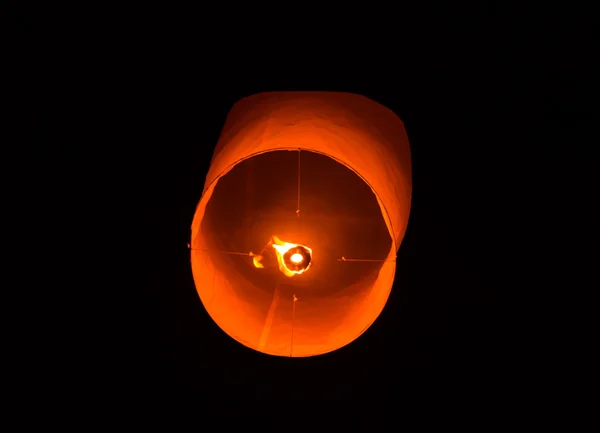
(325, 169)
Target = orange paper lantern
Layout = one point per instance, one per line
(304, 207)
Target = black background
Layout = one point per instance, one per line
(122, 120)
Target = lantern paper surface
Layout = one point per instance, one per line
(304, 207)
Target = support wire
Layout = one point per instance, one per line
(293, 318)
(298, 205)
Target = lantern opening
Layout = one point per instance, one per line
(339, 216)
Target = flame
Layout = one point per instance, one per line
(256, 260)
(281, 248)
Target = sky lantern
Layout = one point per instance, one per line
(304, 208)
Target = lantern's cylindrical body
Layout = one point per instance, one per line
(330, 171)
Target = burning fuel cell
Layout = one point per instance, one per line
(293, 259)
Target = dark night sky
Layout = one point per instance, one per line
(137, 122)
